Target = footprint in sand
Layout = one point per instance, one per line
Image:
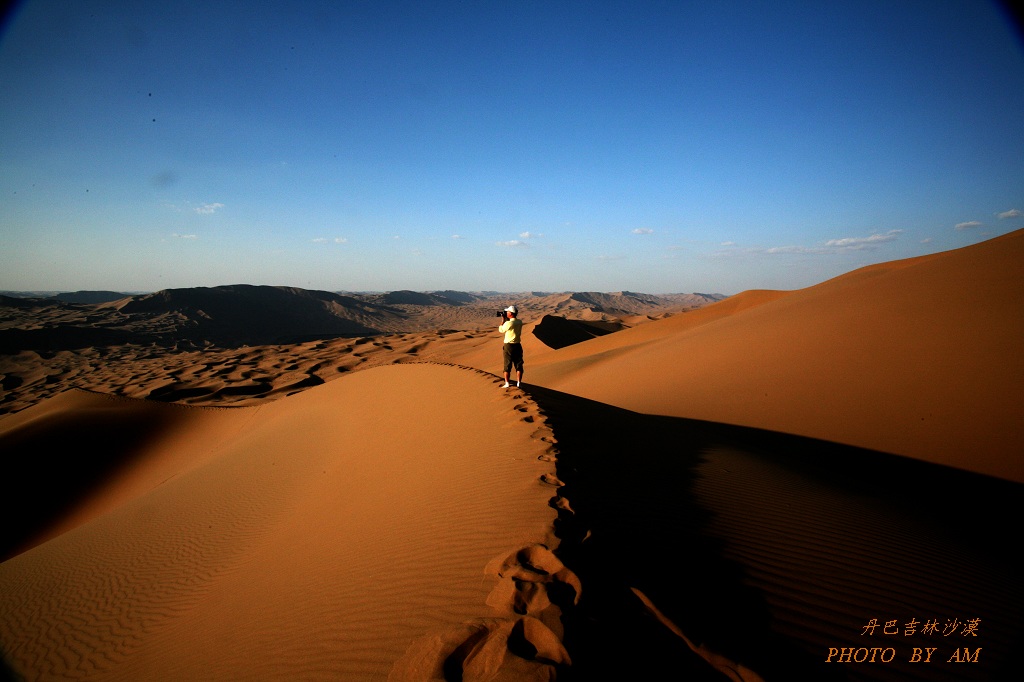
(534, 587)
(562, 503)
(527, 410)
(532, 645)
(530, 580)
(543, 435)
(551, 479)
(495, 649)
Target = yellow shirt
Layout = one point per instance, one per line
(512, 328)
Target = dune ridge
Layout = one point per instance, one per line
(918, 358)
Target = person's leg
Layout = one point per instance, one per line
(506, 359)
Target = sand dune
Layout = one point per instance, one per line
(686, 497)
(313, 538)
(919, 358)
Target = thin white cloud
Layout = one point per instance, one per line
(642, 230)
(967, 226)
(1012, 213)
(327, 240)
(832, 246)
(207, 209)
(795, 249)
(457, 236)
(857, 243)
(185, 236)
(529, 235)
(512, 243)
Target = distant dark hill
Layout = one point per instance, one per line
(694, 300)
(247, 314)
(622, 302)
(27, 294)
(21, 303)
(48, 324)
(89, 296)
(406, 297)
(458, 297)
(559, 332)
(618, 304)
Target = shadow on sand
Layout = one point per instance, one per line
(769, 549)
(53, 462)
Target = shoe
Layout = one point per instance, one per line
(519, 384)
(506, 385)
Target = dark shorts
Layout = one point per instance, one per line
(512, 353)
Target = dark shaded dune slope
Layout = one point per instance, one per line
(770, 548)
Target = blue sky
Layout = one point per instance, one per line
(646, 146)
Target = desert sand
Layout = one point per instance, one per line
(817, 484)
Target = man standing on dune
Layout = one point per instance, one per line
(512, 349)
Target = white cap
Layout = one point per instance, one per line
(512, 309)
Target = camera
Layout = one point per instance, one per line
(501, 313)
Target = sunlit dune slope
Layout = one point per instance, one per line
(920, 357)
(312, 538)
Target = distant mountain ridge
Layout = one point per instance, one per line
(244, 314)
(90, 296)
(407, 297)
(251, 314)
(86, 296)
